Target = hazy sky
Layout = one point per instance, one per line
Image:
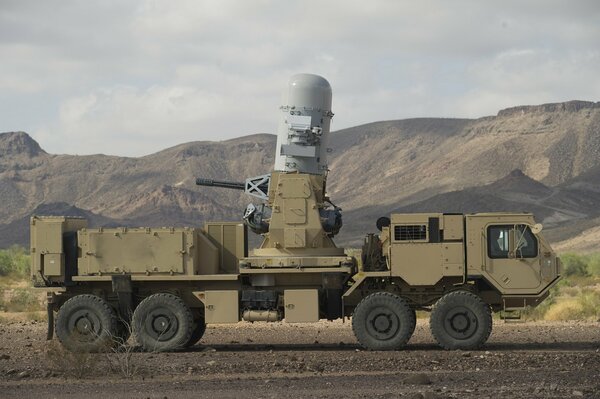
(133, 77)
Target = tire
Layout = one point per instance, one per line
(86, 323)
(461, 320)
(383, 321)
(198, 331)
(162, 322)
(414, 312)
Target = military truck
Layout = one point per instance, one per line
(166, 284)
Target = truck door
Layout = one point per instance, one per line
(512, 256)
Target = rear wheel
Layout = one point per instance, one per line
(383, 321)
(461, 320)
(86, 323)
(162, 322)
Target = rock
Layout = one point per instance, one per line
(578, 393)
(209, 349)
(4, 356)
(211, 363)
(24, 374)
(466, 354)
(417, 379)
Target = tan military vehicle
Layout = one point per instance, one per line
(166, 284)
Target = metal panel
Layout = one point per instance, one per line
(417, 263)
(294, 188)
(54, 264)
(295, 210)
(453, 227)
(232, 240)
(301, 306)
(294, 237)
(295, 150)
(222, 306)
(135, 251)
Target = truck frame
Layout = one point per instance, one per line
(168, 283)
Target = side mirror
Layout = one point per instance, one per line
(537, 228)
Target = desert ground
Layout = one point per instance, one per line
(521, 360)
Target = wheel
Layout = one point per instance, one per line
(162, 322)
(460, 320)
(414, 312)
(86, 323)
(383, 321)
(197, 331)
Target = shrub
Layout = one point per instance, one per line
(14, 261)
(21, 300)
(575, 265)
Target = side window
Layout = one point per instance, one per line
(526, 245)
(499, 241)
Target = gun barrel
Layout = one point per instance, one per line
(220, 183)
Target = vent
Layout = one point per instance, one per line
(410, 232)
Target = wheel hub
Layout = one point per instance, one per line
(382, 323)
(161, 324)
(460, 323)
(84, 325)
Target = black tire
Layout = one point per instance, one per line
(461, 320)
(198, 331)
(86, 323)
(414, 312)
(162, 322)
(383, 321)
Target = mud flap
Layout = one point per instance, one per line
(121, 285)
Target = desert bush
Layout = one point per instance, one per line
(594, 264)
(575, 265)
(21, 300)
(14, 261)
(121, 357)
(73, 364)
(585, 306)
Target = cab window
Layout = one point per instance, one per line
(499, 241)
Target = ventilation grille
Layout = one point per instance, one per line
(410, 232)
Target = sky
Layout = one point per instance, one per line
(131, 78)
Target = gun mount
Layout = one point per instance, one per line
(297, 217)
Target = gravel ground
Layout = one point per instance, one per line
(521, 360)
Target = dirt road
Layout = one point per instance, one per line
(521, 360)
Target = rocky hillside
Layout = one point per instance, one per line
(544, 159)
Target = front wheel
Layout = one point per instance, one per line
(383, 321)
(461, 320)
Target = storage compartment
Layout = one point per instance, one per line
(222, 306)
(301, 306)
(48, 255)
(136, 251)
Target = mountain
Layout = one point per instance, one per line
(542, 158)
